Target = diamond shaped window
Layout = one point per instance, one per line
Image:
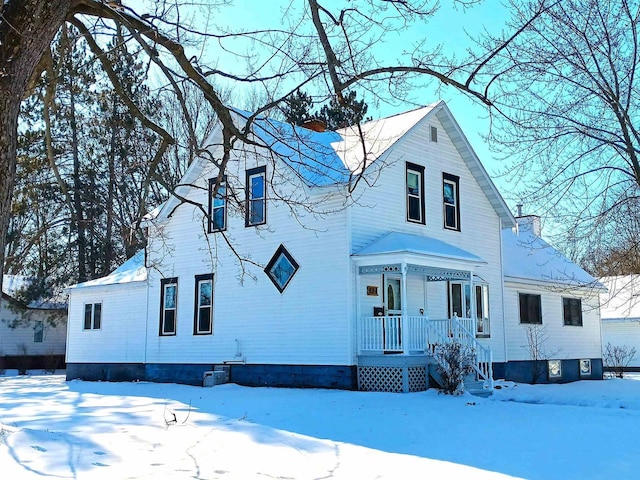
(281, 268)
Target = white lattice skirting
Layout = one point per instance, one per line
(392, 379)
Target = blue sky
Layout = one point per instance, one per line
(451, 27)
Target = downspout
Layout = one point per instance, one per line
(355, 284)
(146, 323)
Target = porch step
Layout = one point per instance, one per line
(477, 388)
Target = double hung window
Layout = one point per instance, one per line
(256, 194)
(217, 205)
(168, 305)
(572, 311)
(38, 332)
(530, 308)
(415, 193)
(451, 201)
(203, 308)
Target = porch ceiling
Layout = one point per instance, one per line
(422, 255)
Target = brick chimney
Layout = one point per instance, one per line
(315, 124)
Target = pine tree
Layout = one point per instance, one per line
(337, 114)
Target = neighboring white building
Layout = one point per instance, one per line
(621, 314)
(33, 335)
(296, 274)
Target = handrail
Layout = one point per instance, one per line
(483, 364)
(384, 334)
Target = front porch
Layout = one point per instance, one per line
(414, 293)
(395, 353)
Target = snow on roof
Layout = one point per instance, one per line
(622, 301)
(133, 270)
(378, 135)
(13, 285)
(395, 242)
(309, 153)
(528, 257)
(328, 158)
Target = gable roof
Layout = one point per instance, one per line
(527, 258)
(381, 135)
(133, 270)
(622, 301)
(330, 158)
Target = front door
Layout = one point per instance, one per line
(393, 295)
(393, 321)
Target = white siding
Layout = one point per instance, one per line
(382, 209)
(560, 341)
(121, 336)
(306, 324)
(20, 340)
(620, 334)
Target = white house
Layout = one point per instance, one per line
(552, 319)
(621, 315)
(299, 272)
(32, 335)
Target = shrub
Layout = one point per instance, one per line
(454, 361)
(617, 357)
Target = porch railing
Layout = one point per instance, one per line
(418, 334)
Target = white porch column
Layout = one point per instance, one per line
(472, 309)
(405, 320)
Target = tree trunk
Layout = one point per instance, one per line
(27, 28)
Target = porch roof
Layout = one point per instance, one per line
(406, 243)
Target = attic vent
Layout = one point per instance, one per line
(434, 134)
(315, 124)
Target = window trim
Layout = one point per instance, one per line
(208, 277)
(418, 169)
(267, 270)
(455, 181)
(223, 184)
(464, 298)
(253, 172)
(92, 317)
(529, 295)
(485, 304)
(434, 134)
(564, 312)
(38, 331)
(163, 284)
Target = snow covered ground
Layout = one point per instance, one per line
(53, 429)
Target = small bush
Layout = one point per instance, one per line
(617, 357)
(454, 362)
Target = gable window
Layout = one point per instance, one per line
(92, 316)
(38, 332)
(217, 205)
(530, 308)
(168, 305)
(572, 308)
(281, 268)
(415, 193)
(434, 134)
(451, 201)
(203, 308)
(256, 196)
